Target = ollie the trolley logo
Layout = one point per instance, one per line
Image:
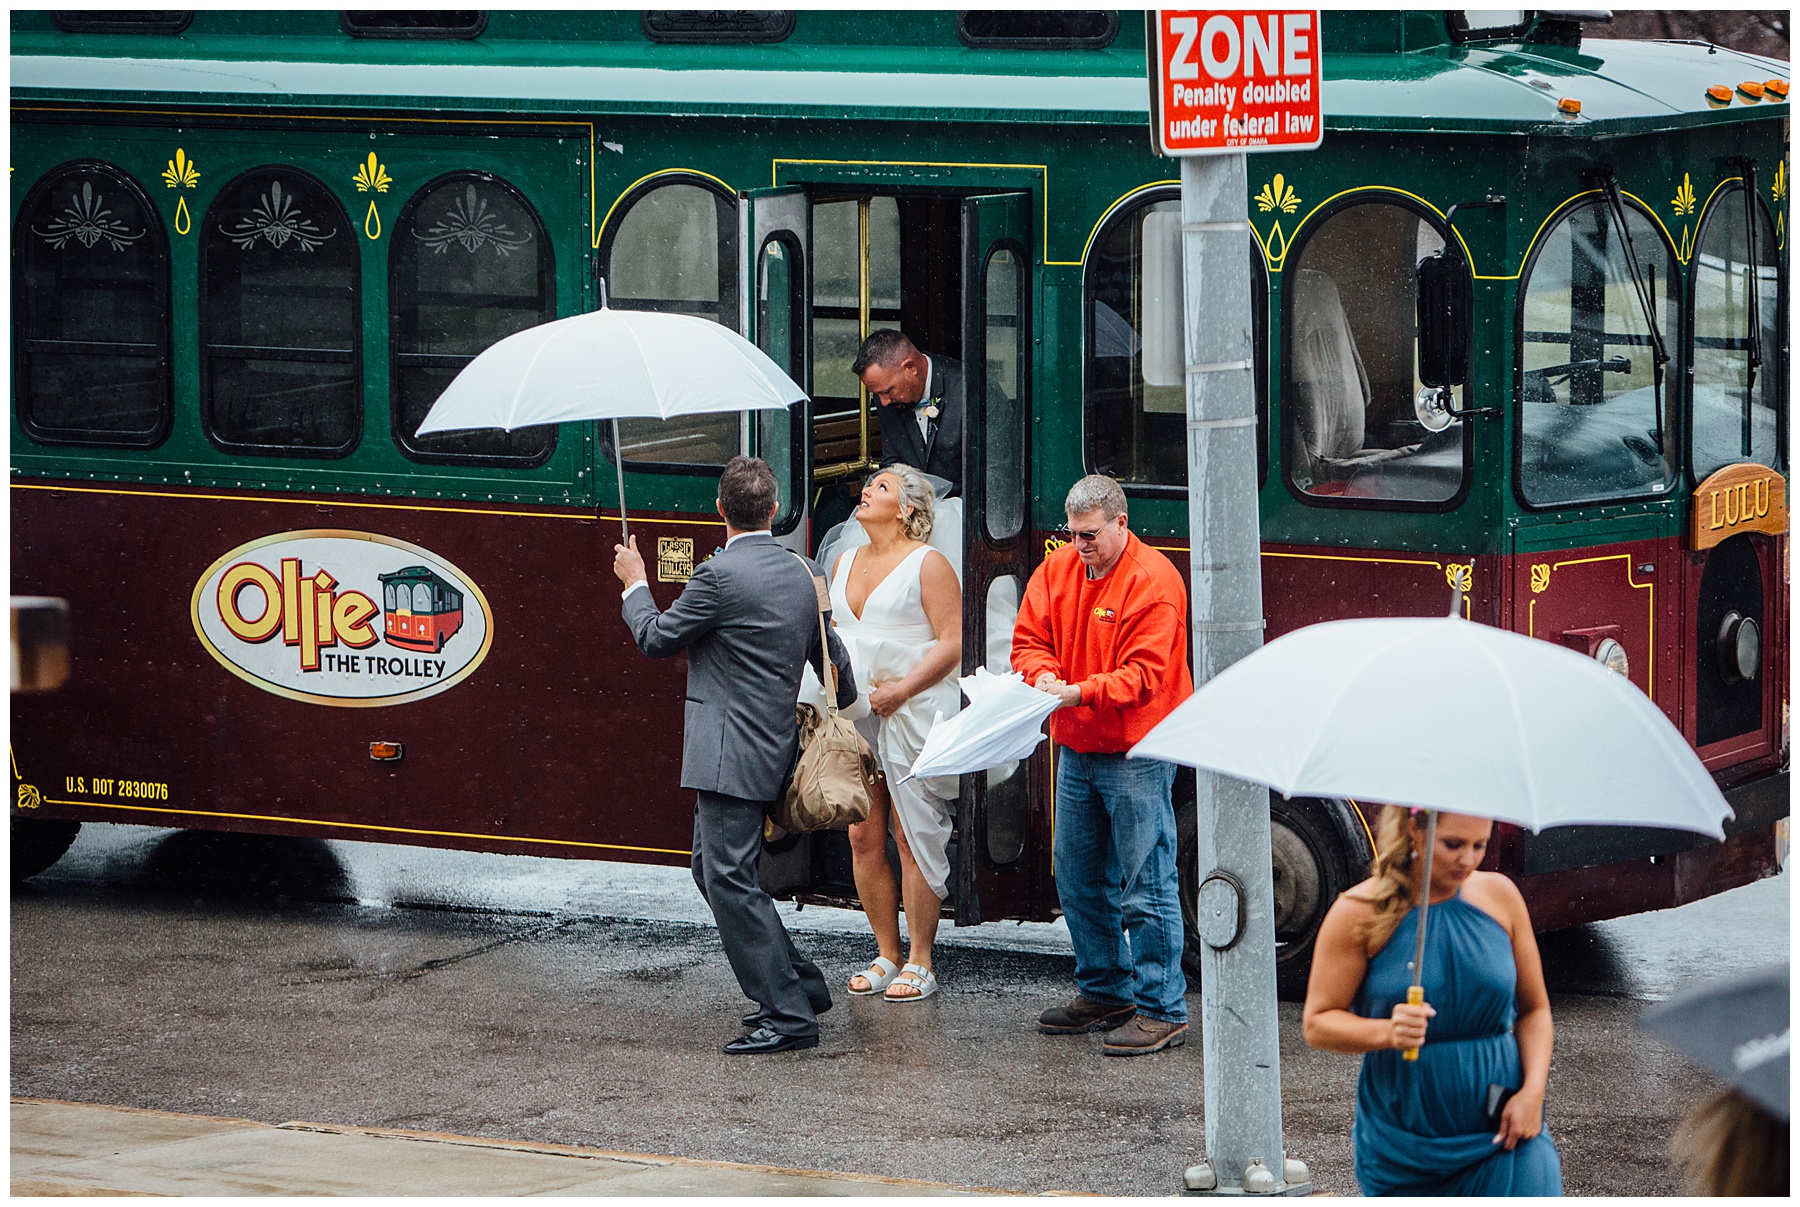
(352, 619)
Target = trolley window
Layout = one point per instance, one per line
(91, 311)
(673, 247)
(470, 265)
(1003, 287)
(280, 318)
(1351, 431)
(781, 328)
(415, 23)
(1740, 407)
(143, 21)
(838, 244)
(717, 26)
(1590, 405)
(1135, 402)
(1066, 29)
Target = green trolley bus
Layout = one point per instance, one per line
(1520, 327)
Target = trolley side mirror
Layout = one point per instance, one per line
(1444, 307)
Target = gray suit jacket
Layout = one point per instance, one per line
(902, 441)
(748, 620)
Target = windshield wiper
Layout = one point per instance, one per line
(1659, 352)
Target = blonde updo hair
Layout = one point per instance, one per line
(1396, 879)
(918, 501)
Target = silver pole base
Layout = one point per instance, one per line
(1203, 1179)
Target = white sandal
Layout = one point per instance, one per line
(914, 977)
(880, 974)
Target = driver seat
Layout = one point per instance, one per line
(1330, 400)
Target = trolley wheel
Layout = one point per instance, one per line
(38, 842)
(1314, 859)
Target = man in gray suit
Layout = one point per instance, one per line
(748, 621)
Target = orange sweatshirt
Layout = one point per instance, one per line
(1123, 638)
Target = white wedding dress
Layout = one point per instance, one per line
(886, 642)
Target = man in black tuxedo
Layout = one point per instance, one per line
(921, 404)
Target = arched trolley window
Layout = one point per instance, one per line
(1739, 345)
(1593, 414)
(91, 311)
(1134, 418)
(280, 318)
(671, 245)
(470, 265)
(1352, 433)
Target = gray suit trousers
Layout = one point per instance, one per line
(787, 986)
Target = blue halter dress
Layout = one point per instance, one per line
(1420, 1127)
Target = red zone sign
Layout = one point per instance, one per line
(1226, 82)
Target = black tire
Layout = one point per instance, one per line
(1316, 856)
(38, 842)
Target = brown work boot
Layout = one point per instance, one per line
(1082, 1015)
(1143, 1035)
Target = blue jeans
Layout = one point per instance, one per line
(1117, 879)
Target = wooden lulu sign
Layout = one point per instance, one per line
(1233, 81)
(1738, 498)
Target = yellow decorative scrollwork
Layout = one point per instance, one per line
(1540, 579)
(1778, 190)
(372, 175)
(181, 173)
(1052, 544)
(184, 221)
(1460, 575)
(1683, 201)
(1276, 248)
(1278, 194)
(372, 223)
(1683, 204)
(29, 797)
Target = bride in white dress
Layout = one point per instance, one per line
(898, 607)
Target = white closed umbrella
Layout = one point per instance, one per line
(1003, 723)
(1444, 714)
(612, 364)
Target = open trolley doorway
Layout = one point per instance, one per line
(825, 265)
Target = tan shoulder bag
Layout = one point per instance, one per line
(833, 782)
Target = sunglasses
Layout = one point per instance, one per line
(1088, 536)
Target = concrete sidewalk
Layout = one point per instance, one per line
(77, 1149)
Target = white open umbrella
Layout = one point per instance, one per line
(1444, 714)
(1003, 723)
(612, 364)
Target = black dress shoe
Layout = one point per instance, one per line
(754, 1019)
(763, 1040)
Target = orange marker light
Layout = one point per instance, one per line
(386, 752)
(1776, 88)
(1751, 89)
(1720, 93)
(1569, 105)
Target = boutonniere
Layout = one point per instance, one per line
(931, 411)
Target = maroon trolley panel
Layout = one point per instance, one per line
(563, 741)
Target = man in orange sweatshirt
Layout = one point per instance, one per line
(1103, 627)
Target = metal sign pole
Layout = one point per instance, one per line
(1240, 1036)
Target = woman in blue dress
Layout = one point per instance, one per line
(1422, 1127)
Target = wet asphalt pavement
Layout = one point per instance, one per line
(580, 1003)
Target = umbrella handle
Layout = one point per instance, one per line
(1415, 996)
(619, 462)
